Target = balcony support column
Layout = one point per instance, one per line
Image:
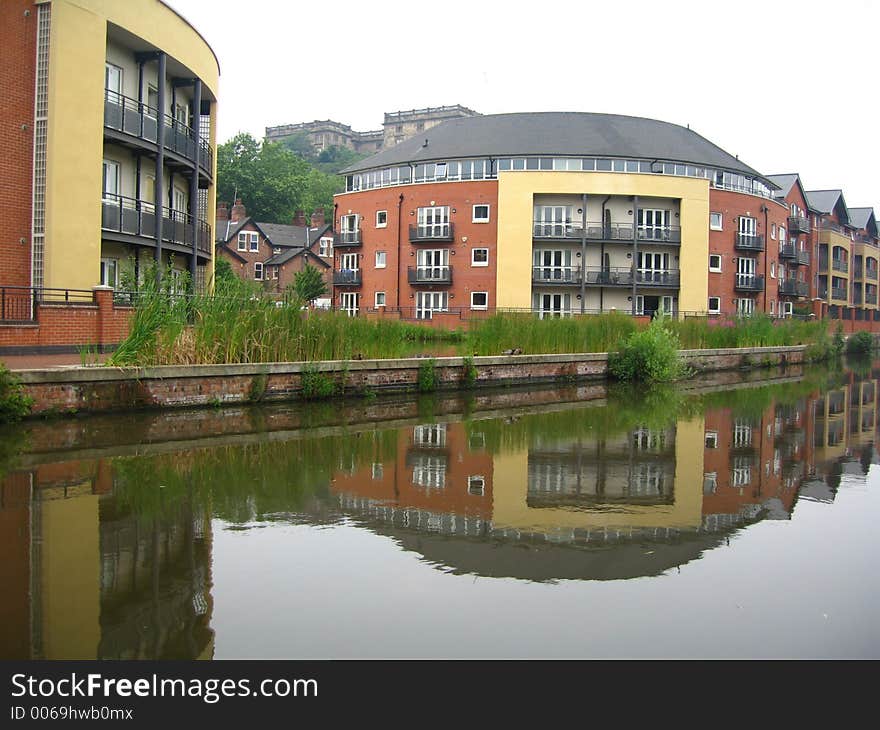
(635, 262)
(584, 254)
(160, 165)
(194, 181)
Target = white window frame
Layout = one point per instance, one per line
(376, 301)
(773, 231)
(381, 259)
(384, 222)
(242, 240)
(772, 269)
(720, 225)
(717, 309)
(474, 262)
(106, 265)
(113, 95)
(258, 271)
(475, 219)
(477, 485)
(717, 269)
(325, 247)
(482, 307)
(254, 241)
(711, 439)
(111, 196)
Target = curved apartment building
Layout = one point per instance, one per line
(565, 213)
(113, 160)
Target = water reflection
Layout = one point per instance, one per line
(108, 542)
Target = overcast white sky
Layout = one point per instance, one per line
(788, 86)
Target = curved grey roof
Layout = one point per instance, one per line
(560, 134)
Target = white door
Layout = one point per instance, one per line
(745, 271)
(111, 182)
(552, 305)
(434, 222)
(113, 83)
(428, 302)
(653, 266)
(552, 220)
(653, 224)
(433, 264)
(552, 265)
(349, 302)
(748, 227)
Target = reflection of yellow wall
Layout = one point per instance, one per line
(516, 191)
(78, 41)
(70, 563)
(510, 491)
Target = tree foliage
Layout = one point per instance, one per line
(330, 160)
(308, 284)
(272, 181)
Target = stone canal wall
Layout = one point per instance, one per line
(95, 388)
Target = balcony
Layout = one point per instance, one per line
(347, 277)
(871, 273)
(749, 242)
(134, 221)
(839, 293)
(857, 272)
(557, 275)
(429, 275)
(857, 296)
(347, 239)
(798, 224)
(871, 297)
(793, 288)
(787, 251)
(432, 233)
(840, 265)
(129, 120)
(660, 278)
(803, 258)
(749, 283)
(595, 231)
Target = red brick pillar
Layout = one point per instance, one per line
(104, 299)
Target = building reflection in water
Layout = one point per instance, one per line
(103, 562)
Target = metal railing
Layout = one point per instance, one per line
(595, 231)
(794, 288)
(429, 274)
(749, 283)
(749, 242)
(138, 218)
(431, 233)
(798, 224)
(857, 271)
(861, 238)
(559, 275)
(803, 258)
(870, 273)
(347, 277)
(787, 251)
(19, 304)
(140, 120)
(838, 292)
(347, 239)
(602, 276)
(857, 296)
(839, 265)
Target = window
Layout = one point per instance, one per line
(715, 262)
(772, 306)
(479, 300)
(255, 241)
(242, 241)
(710, 482)
(111, 182)
(275, 272)
(113, 83)
(248, 239)
(380, 299)
(152, 101)
(781, 236)
(714, 305)
(480, 257)
(181, 115)
(258, 271)
(745, 307)
(477, 485)
(378, 471)
(481, 214)
(429, 302)
(711, 439)
(772, 230)
(715, 221)
(148, 193)
(325, 247)
(380, 259)
(348, 223)
(179, 204)
(772, 269)
(381, 218)
(110, 272)
(433, 222)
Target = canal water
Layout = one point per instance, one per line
(734, 519)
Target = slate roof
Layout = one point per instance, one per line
(823, 201)
(785, 183)
(557, 133)
(860, 217)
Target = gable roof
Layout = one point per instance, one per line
(278, 235)
(786, 183)
(825, 201)
(556, 133)
(863, 218)
(282, 258)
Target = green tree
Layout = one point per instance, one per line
(223, 273)
(308, 284)
(272, 181)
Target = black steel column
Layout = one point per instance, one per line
(194, 181)
(160, 165)
(635, 263)
(584, 253)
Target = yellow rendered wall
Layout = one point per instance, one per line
(70, 589)
(510, 492)
(78, 41)
(516, 190)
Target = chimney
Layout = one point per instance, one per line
(299, 218)
(222, 212)
(318, 218)
(238, 212)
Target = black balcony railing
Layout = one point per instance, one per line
(803, 258)
(749, 283)
(347, 239)
(137, 119)
(595, 231)
(347, 277)
(857, 271)
(839, 293)
(661, 278)
(798, 224)
(19, 304)
(138, 218)
(787, 251)
(749, 242)
(871, 273)
(793, 288)
(839, 265)
(857, 296)
(429, 274)
(823, 262)
(557, 275)
(431, 233)
(870, 297)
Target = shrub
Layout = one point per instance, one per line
(650, 355)
(860, 342)
(469, 372)
(14, 404)
(839, 340)
(316, 385)
(427, 376)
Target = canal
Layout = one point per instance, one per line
(730, 520)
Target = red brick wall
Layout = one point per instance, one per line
(18, 36)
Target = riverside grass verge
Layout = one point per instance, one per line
(240, 324)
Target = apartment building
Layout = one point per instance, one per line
(112, 160)
(568, 213)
